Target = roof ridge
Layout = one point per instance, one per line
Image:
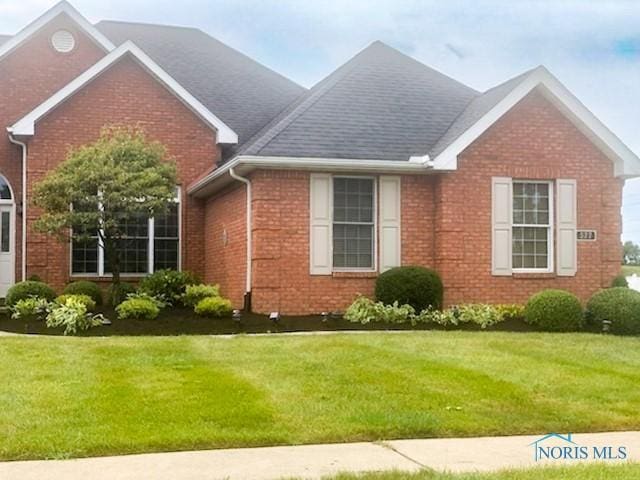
(302, 104)
(424, 65)
(148, 24)
(211, 38)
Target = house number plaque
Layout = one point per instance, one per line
(586, 235)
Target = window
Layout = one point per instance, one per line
(353, 223)
(149, 244)
(531, 227)
(166, 239)
(5, 191)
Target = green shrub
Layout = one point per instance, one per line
(32, 308)
(620, 281)
(554, 311)
(29, 288)
(116, 294)
(214, 307)
(416, 286)
(84, 299)
(194, 293)
(72, 315)
(158, 302)
(138, 308)
(34, 278)
(364, 310)
(85, 287)
(510, 311)
(167, 284)
(619, 305)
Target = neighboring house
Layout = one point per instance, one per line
(385, 162)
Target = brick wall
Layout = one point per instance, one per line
(446, 220)
(532, 141)
(29, 75)
(125, 94)
(225, 243)
(280, 230)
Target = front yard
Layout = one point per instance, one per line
(66, 397)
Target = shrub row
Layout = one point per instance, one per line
(414, 295)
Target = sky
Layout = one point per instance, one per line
(592, 46)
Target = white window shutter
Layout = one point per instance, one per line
(501, 218)
(320, 241)
(390, 234)
(567, 224)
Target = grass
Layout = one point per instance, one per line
(628, 270)
(597, 471)
(69, 397)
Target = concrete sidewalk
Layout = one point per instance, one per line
(314, 461)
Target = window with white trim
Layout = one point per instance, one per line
(532, 226)
(149, 244)
(353, 223)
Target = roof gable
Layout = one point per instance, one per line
(244, 94)
(62, 8)
(488, 108)
(381, 105)
(26, 125)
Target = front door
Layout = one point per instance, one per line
(7, 249)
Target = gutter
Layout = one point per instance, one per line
(415, 165)
(247, 288)
(23, 259)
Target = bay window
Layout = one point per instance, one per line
(148, 244)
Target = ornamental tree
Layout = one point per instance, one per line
(102, 187)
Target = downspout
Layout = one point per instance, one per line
(247, 294)
(24, 206)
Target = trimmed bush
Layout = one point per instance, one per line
(416, 286)
(116, 294)
(214, 307)
(85, 287)
(554, 311)
(619, 305)
(194, 293)
(619, 281)
(138, 308)
(167, 284)
(29, 288)
(86, 300)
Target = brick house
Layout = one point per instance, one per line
(296, 199)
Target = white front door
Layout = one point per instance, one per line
(7, 248)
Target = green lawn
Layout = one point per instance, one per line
(627, 471)
(66, 397)
(630, 270)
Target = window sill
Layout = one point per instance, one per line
(354, 274)
(533, 275)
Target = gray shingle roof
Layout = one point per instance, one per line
(241, 92)
(380, 105)
(4, 38)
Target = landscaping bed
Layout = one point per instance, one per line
(182, 321)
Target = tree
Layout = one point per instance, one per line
(103, 186)
(631, 253)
